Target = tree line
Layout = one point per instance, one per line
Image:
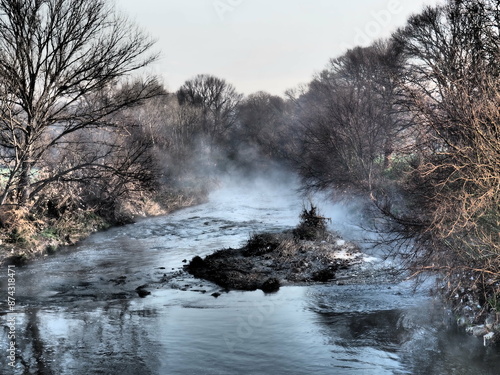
(412, 121)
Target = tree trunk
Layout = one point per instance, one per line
(24, 186)
(388, 150)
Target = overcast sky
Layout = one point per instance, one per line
(269, 45)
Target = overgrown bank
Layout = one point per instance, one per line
(26, 235)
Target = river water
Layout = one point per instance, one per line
(78, 313)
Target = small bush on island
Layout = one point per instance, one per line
(312, 225)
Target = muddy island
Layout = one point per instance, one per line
(308, 253)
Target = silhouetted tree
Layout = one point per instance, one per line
(62, 65)
(263, 128)
(217, 100)
(351, 119)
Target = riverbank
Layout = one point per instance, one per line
(479, 317)
(26, 236)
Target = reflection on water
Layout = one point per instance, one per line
(78, 313)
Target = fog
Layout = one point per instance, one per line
(353, 217)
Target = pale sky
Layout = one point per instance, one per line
(268, 45)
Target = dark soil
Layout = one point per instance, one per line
(270, 260)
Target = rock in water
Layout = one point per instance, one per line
(143, 293)
(271, 285)
(268, 259)
(196, 263)
(323, 275)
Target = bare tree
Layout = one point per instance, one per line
(351, 119)
(263, 126)
(170, 130)
(62, 65)
(217, 100)
(452, 86)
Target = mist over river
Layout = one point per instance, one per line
(78, 312)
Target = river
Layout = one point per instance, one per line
(77, 312)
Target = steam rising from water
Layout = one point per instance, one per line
(349, 217)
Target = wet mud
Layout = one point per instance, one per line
(270, 260)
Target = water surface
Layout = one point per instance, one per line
(78, 312)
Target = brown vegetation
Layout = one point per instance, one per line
(452, 88)
(66, 219)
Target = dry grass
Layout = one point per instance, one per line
(18, 226)
(18, 236)
(60, 217)
(288, 248)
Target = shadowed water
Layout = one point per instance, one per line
(79, 313)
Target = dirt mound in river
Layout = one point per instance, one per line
(269, 260)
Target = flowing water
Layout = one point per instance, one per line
(78, 313)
